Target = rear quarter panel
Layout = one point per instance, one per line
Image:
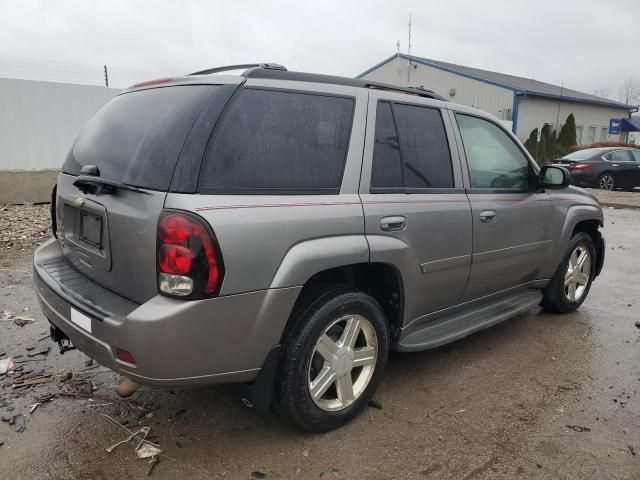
(272, 241)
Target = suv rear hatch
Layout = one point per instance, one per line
(108, 233)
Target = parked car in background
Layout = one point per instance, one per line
(606, 168)
(287, 230)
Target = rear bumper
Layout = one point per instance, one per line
(175, 342)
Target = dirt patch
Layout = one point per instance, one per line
(618, 199)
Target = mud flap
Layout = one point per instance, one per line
(601, 248)
(259, 394)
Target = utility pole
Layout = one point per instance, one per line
(106, 76)
(559, 102)
(409, 52)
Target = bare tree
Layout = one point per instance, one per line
(603, 92)
(629, 92)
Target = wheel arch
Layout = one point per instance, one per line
(587, 219)
(382, 281)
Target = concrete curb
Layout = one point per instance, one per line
(625, 206)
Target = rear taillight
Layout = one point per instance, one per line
(580, 166)
(188, 257)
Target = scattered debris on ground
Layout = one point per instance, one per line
(578, 428)
(18, 422)
(13, 319)
(22, 227)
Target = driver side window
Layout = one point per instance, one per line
(494, 160)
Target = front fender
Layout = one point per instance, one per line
(307, 258)
(576, 214)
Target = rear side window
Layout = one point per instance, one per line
(279, 142)
(137, 137)
(411, 148)
(387, 168)
(619, 156)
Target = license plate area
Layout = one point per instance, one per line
(85, 240)
(91, 229)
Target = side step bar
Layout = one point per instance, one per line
(435, 333)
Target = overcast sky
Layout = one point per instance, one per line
(587, 44)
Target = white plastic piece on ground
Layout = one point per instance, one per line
(146, 450)
(6, 365)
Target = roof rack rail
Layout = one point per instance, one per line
(244, 66)
(420, 91)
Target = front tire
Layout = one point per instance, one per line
(333, 358)
(572, 281)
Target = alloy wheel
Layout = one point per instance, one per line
(576, 279)
(342, 363)
(606, 182)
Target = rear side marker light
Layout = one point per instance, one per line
(125, 356)
(188, 258)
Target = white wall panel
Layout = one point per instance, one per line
(39, 121)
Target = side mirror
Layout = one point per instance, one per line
(553, 177)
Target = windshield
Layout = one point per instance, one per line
(137, 137)
(580, 155)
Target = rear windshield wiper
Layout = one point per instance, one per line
(98, 185)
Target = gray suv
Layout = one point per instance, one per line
(286, 230)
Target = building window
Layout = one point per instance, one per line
(604, 132)
(579, 134)
(591, 135)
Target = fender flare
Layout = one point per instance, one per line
(307, 258)
(576, 214)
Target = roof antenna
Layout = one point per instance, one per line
(398, 48)
(409, 52)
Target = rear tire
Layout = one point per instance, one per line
(607, 181)
(572, 281)
(333, 358)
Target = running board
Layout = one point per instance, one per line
(437, 332)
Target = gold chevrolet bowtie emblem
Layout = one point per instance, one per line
(79, 202)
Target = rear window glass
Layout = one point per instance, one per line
(581, 154)
(136, 138)
(279, 142)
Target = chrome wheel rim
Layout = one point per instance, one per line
(342, 362)
(607, 182)
(578, 272)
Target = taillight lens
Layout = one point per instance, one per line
(189, 260)
(579, 166)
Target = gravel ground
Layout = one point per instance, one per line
(22, 228)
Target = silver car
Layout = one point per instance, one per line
(285, 231)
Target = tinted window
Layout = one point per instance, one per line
(423, 146)
(417, 156)
(636, 155)
(136, 138)
(493, 158)
(279, 141)
(582, 154)
(387, 169)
